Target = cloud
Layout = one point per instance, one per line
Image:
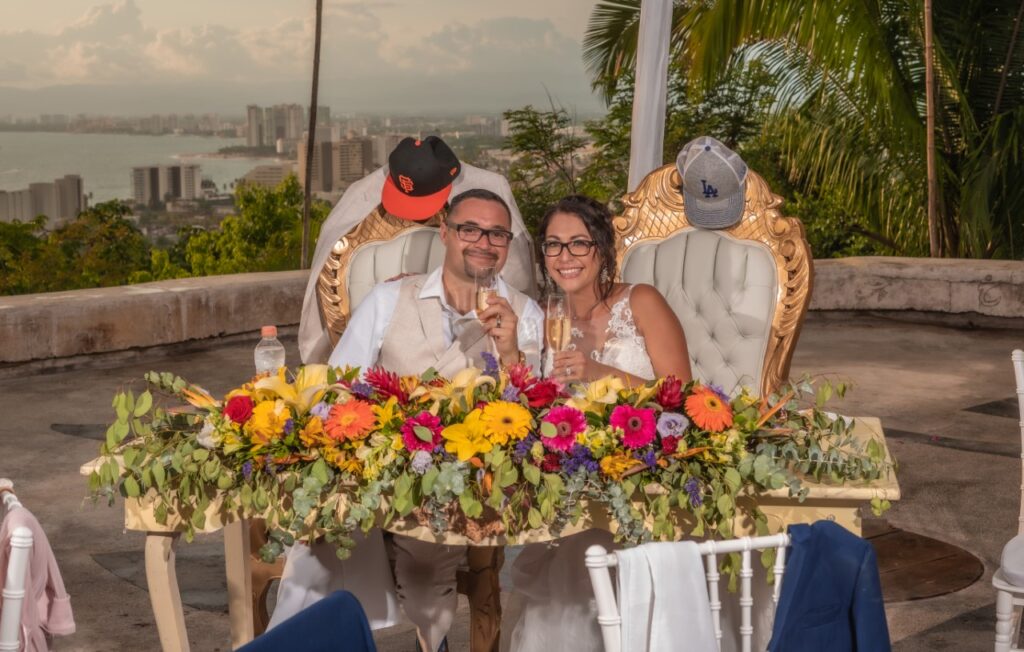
(367, 63)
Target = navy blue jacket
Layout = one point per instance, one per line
(831, 596)
(335, 624)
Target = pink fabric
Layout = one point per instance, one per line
(47, 607)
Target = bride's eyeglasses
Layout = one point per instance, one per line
(578, 248)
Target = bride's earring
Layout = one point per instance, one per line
(604, 275)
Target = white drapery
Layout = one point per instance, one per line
(648, 128)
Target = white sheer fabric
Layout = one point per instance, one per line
(611, 338)
(559, 612)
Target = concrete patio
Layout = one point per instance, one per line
(941, 392)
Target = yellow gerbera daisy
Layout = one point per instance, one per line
(503, 420)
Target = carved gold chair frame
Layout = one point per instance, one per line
(655, 211)
(332, 283)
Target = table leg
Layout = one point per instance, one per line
(484, 593)
(239, 576)
(163, 591)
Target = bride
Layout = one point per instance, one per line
(616, 329)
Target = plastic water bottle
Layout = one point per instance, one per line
(269, 353)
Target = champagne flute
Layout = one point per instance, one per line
(557, 324)
(485, 281)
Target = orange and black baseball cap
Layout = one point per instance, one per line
(420, 176)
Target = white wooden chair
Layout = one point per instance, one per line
(14, 580)
(599, 563)
(1009, 578)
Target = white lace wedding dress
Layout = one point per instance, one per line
(558, 610)
(557, 601)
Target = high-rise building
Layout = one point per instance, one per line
(353, 158)
(60, 201)
(154, 184)
(383, 146)
(322, 171)
(254, 134)
(268, 176)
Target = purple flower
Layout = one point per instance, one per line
(523, 447)
(717, 389)
(321, 410)
(421, 461)
(247, 469)
(289, 425)
(510, 394)
(362, 390)
(580, 457)
(491, 367)
(672, 424)
(692, 487)
(650, 458)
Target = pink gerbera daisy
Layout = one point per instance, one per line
(568, 422)
(428, 424)
(637, 425)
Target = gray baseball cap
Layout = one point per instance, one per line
(714, 183)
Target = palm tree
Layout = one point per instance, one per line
(311, 137)
(851, 102)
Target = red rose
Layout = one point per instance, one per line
(551, 463)
(670, 394)
(669, 445)
(238, 409)
(541, 393)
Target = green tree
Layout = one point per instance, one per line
(265, 235)
(100, 248)
(850, 102)
(21, 249)
(546, 145)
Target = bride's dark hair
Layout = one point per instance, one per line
(598, 220)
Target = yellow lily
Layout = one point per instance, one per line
(464, 384)
(466, 439)
(599, 394)
(308, 388)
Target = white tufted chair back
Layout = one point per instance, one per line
(416, 251)
(741, 293)
(723, 291)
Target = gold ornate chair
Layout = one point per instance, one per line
(741, 293)
(382, 247)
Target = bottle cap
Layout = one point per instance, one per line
(268, 331)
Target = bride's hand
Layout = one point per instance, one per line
(570, 367)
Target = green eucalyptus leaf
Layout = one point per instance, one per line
(548, 429)
(532, 474)
(143, 404)
(423, 433)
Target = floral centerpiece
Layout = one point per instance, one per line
(491, 452)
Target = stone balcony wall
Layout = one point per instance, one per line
(82, 322)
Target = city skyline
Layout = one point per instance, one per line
(141, 56)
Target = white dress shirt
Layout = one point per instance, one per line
(360, 344)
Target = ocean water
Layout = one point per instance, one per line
(105, 161)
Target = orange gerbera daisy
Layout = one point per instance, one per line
(708, 410)
(350, 421)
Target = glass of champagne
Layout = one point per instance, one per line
(486, 282)
(557, 325)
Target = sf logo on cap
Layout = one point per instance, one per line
(709, 190)
(406, 183)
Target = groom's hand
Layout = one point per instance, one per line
(501, 322)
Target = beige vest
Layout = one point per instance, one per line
(414, 340)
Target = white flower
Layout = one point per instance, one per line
(208, 437)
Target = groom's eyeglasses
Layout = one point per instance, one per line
(578, 248)
(472, 233)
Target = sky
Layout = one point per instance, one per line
(133, 57)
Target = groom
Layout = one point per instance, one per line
(408, 326)
(430, 320)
